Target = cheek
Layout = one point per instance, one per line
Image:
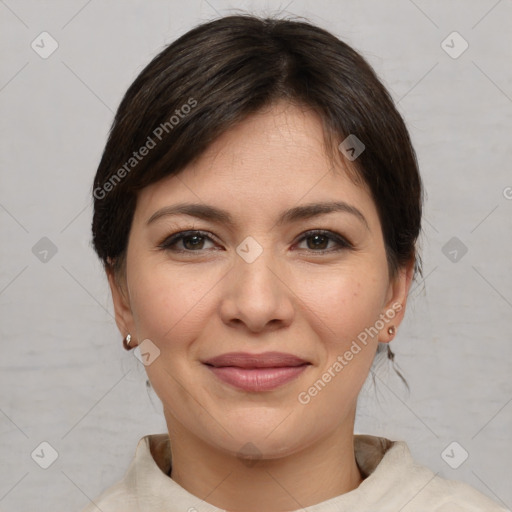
(168, 303)
(343, 309)
(343, 304)
(173, 303)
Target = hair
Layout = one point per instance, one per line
(220, 72)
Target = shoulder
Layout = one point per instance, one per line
(398, 481)
(124, 494)
(455, 496)
(145, 484)
(112, 499)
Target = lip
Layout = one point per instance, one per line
(256, 372)
(264, 360)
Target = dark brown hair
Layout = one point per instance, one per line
(219, 73)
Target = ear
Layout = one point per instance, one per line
(394, 309)
(123, 312)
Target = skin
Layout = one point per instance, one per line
(293, 298)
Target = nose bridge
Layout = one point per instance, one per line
(254, 294)
(254, 264)
(249, 249)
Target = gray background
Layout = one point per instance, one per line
(65, 378)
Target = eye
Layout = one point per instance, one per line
(193, 241)
(320, 238)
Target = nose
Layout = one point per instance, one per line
(256, 295)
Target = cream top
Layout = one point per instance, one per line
(392, 482)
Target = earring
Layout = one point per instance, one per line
(126, 342)
(391, 330)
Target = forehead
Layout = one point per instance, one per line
(274, 159)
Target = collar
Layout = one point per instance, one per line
(369, 451)
(148, 483)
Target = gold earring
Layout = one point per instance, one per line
(391, 330)
(126, 342)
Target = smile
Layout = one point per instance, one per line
(256, 372)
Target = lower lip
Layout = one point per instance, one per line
(257, 379)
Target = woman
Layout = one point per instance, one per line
(256, 210)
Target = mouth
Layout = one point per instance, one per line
(256, 372)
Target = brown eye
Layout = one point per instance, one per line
(318, 241)
(192, 241)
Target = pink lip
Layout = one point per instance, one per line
(256, 372)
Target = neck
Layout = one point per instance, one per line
(304, 478)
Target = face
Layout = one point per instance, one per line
(314, 286)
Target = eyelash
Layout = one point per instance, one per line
(171, 240)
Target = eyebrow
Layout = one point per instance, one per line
(303, 212)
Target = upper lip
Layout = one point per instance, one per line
(264, 360)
